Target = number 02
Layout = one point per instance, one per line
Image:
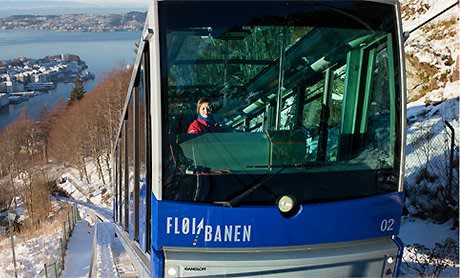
(387, 225)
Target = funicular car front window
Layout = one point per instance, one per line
(283, 92)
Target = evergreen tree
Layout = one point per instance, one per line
(78, 91)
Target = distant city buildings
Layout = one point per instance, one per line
(21, 77)
(132, 21)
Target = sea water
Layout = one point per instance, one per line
(102, 52)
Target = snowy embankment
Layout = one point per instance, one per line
(99, 246)
(36, 248)
(423, 195)
(430, 231)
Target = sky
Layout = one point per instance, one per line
(14, 7)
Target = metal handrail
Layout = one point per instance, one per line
(93, 263)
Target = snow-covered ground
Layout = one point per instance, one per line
(78, 259)
(436, 44)
(42, 246)
(417, 231)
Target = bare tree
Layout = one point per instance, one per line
(22, 144)
(86, 129)
(431, 262)
(11, 142)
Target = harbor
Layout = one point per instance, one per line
(90, 47)
(22, 78)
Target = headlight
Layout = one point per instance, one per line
(172, 271)
(390, 260)
(287, 205)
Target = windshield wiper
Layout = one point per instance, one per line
(237, 199)
(292, 165)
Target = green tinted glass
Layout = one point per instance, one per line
(289, 89)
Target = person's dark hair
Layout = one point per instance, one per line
(200, 102)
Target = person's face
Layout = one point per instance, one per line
(205, 109)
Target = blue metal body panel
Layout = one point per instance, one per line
(157, 260)
(179, 224)
(400, 244)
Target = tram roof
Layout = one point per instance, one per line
(375, 1)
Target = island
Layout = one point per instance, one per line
(23, 77)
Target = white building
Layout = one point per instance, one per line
(2, 87)
(4, 100)
(18, 86)
(40, 77)
(6, 87)
(4, 77)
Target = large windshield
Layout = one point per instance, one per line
(299, 96)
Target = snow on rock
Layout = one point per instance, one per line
(424, 232)
(433, 54)
(433, 50)
(432, 61)
(428, 149)
(432, 68)
(94, 191)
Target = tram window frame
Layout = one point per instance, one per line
(145, 98)
(136, 164)
(120, 180)
(124, 177)
(133, 147)
(130, 142)
(142, 149)
(117, 178)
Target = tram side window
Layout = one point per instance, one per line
(311, 119)
(380, 114)
(369, 122)
(130, 147)
(144, 220)
(117, 183)
(335, 112)
(287, 114)
(123, 177)
(311, 113)
(256, 123)
(142, 131)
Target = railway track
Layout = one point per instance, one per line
(114, 254)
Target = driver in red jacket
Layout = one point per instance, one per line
(204, 122)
